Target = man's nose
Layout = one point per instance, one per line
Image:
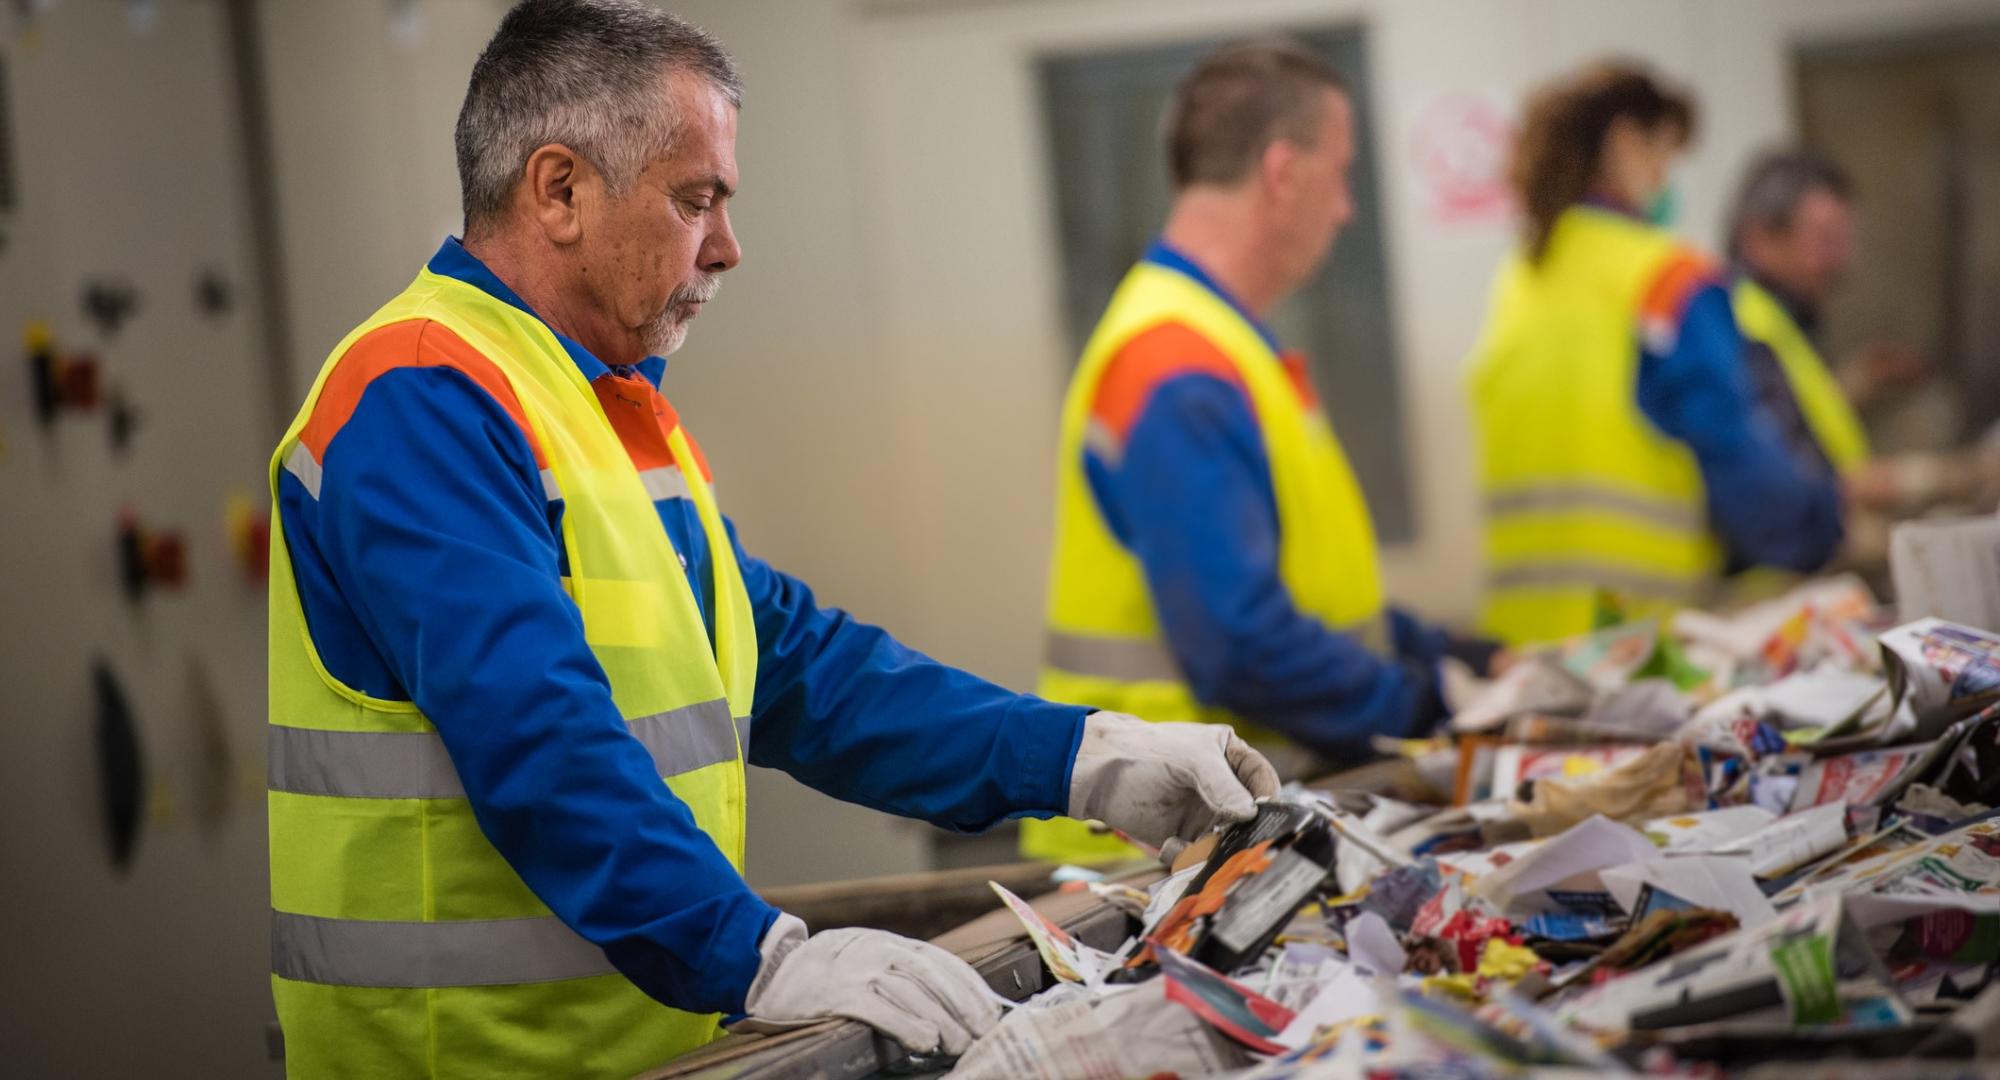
(720, 251)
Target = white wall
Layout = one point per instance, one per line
(362, 106)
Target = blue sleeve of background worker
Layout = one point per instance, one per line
(433, 521)
(1191, 497)
(852, 712)
(1765, 507)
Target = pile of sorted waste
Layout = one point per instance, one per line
(1760, 844)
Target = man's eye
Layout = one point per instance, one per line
(695, 207)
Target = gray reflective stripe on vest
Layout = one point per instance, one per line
(471, 952)
(302, 464)
(690, 738)
(1129, 659)
(1575, 574)
(1101, 440)
(414, 764)
(666, 482)
(1560, 498)
(361, 764)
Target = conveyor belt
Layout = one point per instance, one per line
(852, 1051)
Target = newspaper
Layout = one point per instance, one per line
(1941, 671)
(1793, 840)
(1131, 1032)
(1296, 976)
(1865, 778)
(1965, 861)
(1706, 830)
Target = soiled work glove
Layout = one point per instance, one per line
(912, 991)
(1161, 782)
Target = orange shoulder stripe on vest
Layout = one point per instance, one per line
(643, 419)
(1679, 278)
(1154, 356)
(411, 343)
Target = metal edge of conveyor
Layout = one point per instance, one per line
(852, 1051)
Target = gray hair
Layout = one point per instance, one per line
(1775, 185)
(589, 74)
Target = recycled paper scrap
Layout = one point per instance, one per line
(1067, 958)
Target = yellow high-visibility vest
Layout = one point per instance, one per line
(402, 943)
(1587, 504)
(1105, 646)
(1834, 426)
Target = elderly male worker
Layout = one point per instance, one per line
(1791, 240)
(1214, 559)
(513, 640)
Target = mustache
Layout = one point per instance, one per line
(700, 290)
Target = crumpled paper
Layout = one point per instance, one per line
(1135, 1032)
(1665, 779)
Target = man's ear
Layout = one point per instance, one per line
(1276, 168)
(550, 184)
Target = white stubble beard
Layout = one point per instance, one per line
(666, 332)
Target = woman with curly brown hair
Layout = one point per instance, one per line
(1625, 465)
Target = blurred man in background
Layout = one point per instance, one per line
(1791, 236)
(1791, 239)
(1214, 559)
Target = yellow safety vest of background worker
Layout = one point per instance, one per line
(1624, 461)
(1214, 558)
(1791, 242)
(1828, 416)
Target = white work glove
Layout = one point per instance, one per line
(1162, 782)
(912, 991)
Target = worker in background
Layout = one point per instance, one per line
(1214, 559)
(1791, 238)
(1624, 460)
(1791, 242)
(518, 659)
